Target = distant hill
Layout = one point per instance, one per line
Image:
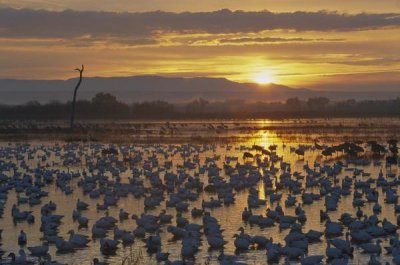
(171, 89)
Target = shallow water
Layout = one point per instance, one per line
(229, 217)
(200, 131)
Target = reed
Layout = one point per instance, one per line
(135, 257)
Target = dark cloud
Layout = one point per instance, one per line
(272, 40)
(25, 23)
(386, 61)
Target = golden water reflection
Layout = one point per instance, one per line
(229, 217)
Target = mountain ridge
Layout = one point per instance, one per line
(154, 87)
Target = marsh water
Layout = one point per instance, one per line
(52, 154)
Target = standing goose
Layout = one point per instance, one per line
(22, 239)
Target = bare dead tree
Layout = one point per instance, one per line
(74, 99)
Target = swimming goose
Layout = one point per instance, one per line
(81, 205)
(164, 218)
(343, 245)
(314, 236)
(108, 246)
(127, 238)
(333, 229)
(83, 221)
(64, 246)
(161, 256)
(20, 259)
(292, 253)
(216, 241)
(332, 252)
(311, 260)
(373, 260)
(77, 240)
(197, 212)
(48, 261)
(39, 250)
(153, 242)
(96, 261)
(372, 248)
(123, 215)
(241, 242)
(361, 236)
(260, 241)
(98, 231)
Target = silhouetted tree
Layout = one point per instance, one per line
(74, 98)
(152, 108)
(318, 103)
(104, 99)
(293, 104)
(345, 106)
(197, 105)
(107, 104)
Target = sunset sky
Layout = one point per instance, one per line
(335, 45)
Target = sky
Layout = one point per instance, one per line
(319, 44)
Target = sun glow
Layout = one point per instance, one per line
(263, 78)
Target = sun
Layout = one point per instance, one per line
(263, 78)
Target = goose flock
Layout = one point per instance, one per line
(283, 203)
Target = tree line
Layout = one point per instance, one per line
(107, 106)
